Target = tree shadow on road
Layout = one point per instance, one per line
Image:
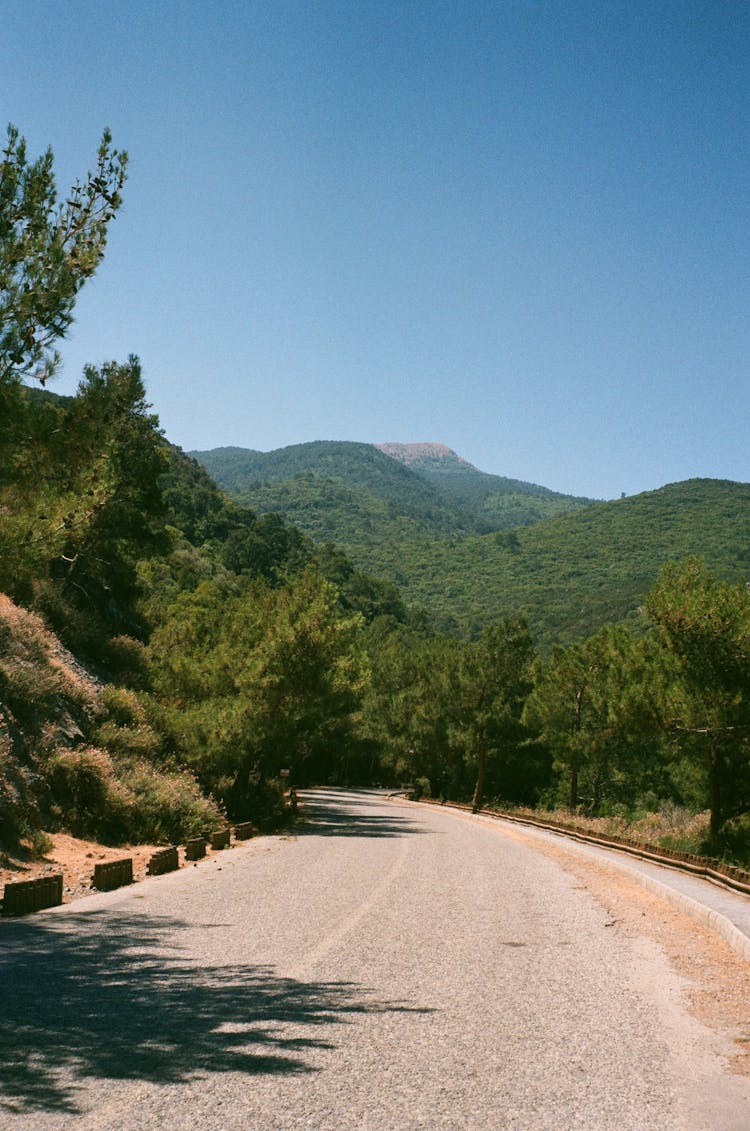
(110, 996)
(328, 813)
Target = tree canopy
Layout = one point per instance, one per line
(48, 249)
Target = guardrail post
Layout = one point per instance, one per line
(195, 848)
(24, 896)
(113, 874)
(165, 860)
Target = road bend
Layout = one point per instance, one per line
(384, 967)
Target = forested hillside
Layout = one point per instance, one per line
(351, 493)
(568, 574)
(496, 501)
(572, 574)
(331, 488)
(206, 642)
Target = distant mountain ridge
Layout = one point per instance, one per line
(427, 483)
(471, 548)
(497, 501)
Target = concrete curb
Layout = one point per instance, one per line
(707, 916)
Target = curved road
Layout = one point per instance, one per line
(386, 967)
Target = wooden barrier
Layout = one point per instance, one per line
(24, 896)
(195, 848)
(220, 838)
(243, 831)
(165, 860)
(113, 874)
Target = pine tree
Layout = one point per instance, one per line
(47, 252)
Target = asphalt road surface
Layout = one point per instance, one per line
(386, 967)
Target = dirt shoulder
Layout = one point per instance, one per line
(76, 859)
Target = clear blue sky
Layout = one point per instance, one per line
(520, 228)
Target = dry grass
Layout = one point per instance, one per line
(672, 826)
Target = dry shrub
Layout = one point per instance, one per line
(170, 806)
(17, 803)
(35, 684)
(86, 797)
(673, 826)
(97, 795)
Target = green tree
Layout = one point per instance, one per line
(492, 681)
(48, 248)
(249, 683)
(595, 704)
(406, 712)
(115, 513)
(47, 251)
(704, 626)
(300, 685)
(89, 506)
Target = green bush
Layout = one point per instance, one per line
(421, 788)
(86, 797)
(129, 741)
(115, 800)
(262, 802)
(168, 807)
(79, 630)
(734, 839)
(126, 658)
(121, 705)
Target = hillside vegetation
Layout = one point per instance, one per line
(496, 502)
(572, 574)
(419, 526)
(351, 492)
(79, 755)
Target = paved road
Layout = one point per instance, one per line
(726, 912)
(389, 968)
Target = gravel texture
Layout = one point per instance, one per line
(387, 967)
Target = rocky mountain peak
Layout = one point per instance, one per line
(421, 454)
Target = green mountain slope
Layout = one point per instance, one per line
(357, 465)
(571, 574)
(358, 493)
(336, 491)
(495, 501)
(568, 574)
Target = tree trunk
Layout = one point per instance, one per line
(573, 799)
(476, 804)
(240, 786)
(714, 786)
